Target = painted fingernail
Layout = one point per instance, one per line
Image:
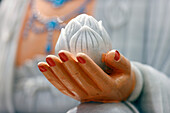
(50, 61)
(42, 68)
(81, 60)
(63, 57)
(117, 55)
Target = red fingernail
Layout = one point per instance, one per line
(117, 55)
(81, 60)
(42, 68)
(63, 57)
(50, 61)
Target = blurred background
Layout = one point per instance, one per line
(29, 30)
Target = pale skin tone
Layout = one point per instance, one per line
(83, 82)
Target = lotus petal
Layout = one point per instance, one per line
(87, 35)
(82, 18)
(72, 27)
(87, 41)
(62, 43)
(105, 36)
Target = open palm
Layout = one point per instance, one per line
(82, 79)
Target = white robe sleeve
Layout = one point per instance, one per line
(139, 84)
(152, 96)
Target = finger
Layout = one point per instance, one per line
(57, 67)
(99, 77)
(117, 62)
(47, 72)
(74, 70)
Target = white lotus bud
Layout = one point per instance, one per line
(87, 35)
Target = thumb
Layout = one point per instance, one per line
(116, 61)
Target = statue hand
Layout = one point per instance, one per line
(83, 80)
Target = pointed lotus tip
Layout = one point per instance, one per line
(62, 33)
(100, 23)
(91, 18)
(91, 31)
(62, 30)
(74, 23)
(85, 27)
(82, 18)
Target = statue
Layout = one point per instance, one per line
(83, 46)
(84, 34)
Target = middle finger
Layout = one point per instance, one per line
(74, 70)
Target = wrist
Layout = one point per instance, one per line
(138, 83)
(133, 77)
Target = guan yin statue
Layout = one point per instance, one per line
(87, 69)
